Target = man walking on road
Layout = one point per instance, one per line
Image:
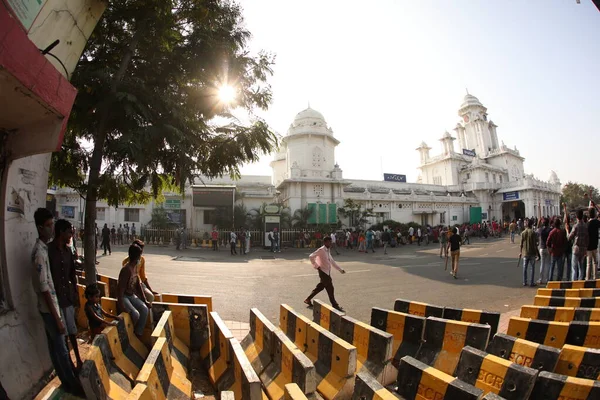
(322, 262)
(387, 239)
(529, 240)
(512, 228)
(454, 242)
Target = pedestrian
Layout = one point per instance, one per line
(543, 233)
(276, 241)
(370, 236)
(512, 228)
(454, 242)
(120, 234)
(126, 232)
(62, 267)
(443, 242)
(529, 241)
(271, 241)
(184, 238)
(592, 249)
(362, 242)
(133, 231)
(419, 233)
(113, 235)
(130, 295)
(556, 244)
(232, 242)
(387, 238)
(149, 294)
(580, 234)
(94, 312)
(322, 261)
(242, 239)
(334, 242)
(411, 232)
(47, 304)
(106, 239)
(215, 239)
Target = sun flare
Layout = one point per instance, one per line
(226, 94)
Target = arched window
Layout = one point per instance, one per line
(317, 156)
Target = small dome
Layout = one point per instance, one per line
(470, 100)
(308, 114)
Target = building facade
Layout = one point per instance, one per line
(483, 173)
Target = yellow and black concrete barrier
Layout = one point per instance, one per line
(524, 352)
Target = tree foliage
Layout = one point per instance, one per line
(160, 219)
(576, 195)
(302, 216)
(144, 118)
(357, 216)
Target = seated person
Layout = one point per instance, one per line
(130, 295)
(94, 312)
(148, 292)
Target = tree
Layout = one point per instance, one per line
(160, 219)
(576, 195)
(144, 118)
(302, 216)
(357, 216)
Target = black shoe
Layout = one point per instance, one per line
(308, 303)
(533, 285)
(339, 308)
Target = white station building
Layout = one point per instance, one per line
(481, 172)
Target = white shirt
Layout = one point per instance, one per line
(42, 277)
(321, 259)
(348, 235)
(411, 230)
(333, 238)
(233, 237)
(419, 232)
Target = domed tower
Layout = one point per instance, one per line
(474, 131)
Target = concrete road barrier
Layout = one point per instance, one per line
(580, 362)
(573, 284)
(585, 334)
(549, 333)
(366, 387)
(258, 344)
(476, 316)
(523, 352)
(289, 365)
(189, 320)
(417, 380)
(589, 292)
(587, 314)
(558, 292)
(294, 325)
(373, 349)
(327, 316)
(407, 331)
(444, 339)
(496, 375)
(227, 395)
(140, 392)
(550, 386)
(334, 360)
(246, 384)
(160, 378)
(128, 352)
(559, 314)
(111, 285)
(218, 360)
(417, 308)
(548, 301)
(187, 299)
(100, 381)
(293, 392)
(180, 353)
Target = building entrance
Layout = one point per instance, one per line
(513, 210)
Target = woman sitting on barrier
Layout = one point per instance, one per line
(131, 297)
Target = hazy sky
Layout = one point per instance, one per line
(388, 74)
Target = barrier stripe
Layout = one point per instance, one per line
(406, 329)
(550, 386)
(294, 325)
(476, 316)
(111, 289)
(125, 357)
(80, 317)
(524, 352)
(246, 384)
(96, 378)
(179, 352)
(334, 360)
(416, 380)
(189, 320)
(366, 387)
(373, 348)
(187, 299)
(560, 314)
(258, 344)
(417, 308)
(289, 365)
(558, 292)
(573, 284)
(549, 333)
(587, 314)
(444, 339)
(293, 392)
(157, 373)
(140, 392)
(548, 301)
(585, 334)
(218, 361)
(579, 362)
(494, 374)
(327, 316)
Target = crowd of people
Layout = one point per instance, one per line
(54, 262)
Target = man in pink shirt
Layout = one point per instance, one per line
(322, 261)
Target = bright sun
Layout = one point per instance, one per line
(226, 94)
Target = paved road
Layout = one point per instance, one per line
(488, 278)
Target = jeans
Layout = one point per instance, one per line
(592, 265)
(527, 261)
(59, 354)
(558, 262)
(512, 237)
(370, 246)
(138, 311)
(578, 268)
(544, 265)
(276, 245)
(568, 257)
